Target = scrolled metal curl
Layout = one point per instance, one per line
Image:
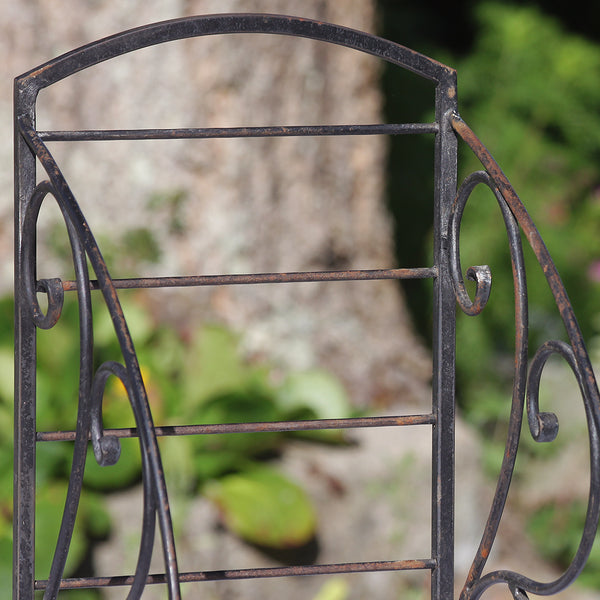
(54, 291)
(480, 274)
(55, 297)
(521, 343)
(51, 287)
(107, 448)
(543, 426)
(107, 451)
(156, 504)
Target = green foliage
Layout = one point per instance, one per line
(202, 379)
(125, 252)
(140, 245)
(264, 507)
(557, 529)
(336, 588)
(531, 92)
(197, 378)
(314, 394)
(92, 523)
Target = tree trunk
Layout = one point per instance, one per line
(239, 206)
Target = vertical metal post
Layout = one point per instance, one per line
(442, 542)
(25, 369)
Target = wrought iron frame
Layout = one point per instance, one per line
(448, 289)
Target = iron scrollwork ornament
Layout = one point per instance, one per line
(543, 426)
(92, 385)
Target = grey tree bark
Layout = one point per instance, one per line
(238, 205)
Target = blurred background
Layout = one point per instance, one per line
(529, 85)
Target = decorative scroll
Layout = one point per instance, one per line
(543, 426)
(91, 385)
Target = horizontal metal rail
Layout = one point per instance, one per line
(258, 278)
(259, 427)
(261, 573)
(92, 135)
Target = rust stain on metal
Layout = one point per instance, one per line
(259, 573)
(260, 427)
(263, 278)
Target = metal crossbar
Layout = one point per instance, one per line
(448, 290)
(237, 132)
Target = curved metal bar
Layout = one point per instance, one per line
(481, 274)
(537, 244)
(521, 343)
(107, 450)
(85, 362)
(52, 287)
(188, 27)
(82, 233)
(518, 583)
(543, 426)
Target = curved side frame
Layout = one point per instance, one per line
(543, 426)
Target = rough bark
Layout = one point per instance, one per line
(246, 206)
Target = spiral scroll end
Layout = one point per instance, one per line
(55, 293)
(547, 427)
(108, 451)
(482, 276)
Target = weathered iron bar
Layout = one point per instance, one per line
(261, 573)
(236, 132)
(261, 427)
(256, 278)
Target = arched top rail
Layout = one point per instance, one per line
(30, 83)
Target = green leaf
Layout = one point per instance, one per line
(141, 245)
(50, 501)
(214, 367)
(212, 464)
(251, 406)
(178, 459)
(6, 372)
(5, 558)
(243, 406)
(263, 507)
(336, 588)
(317, 391)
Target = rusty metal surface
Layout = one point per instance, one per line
(253, 279)
(260, 573)
(259, 427)
(448, 290)
(543, 426)
(236, 132)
